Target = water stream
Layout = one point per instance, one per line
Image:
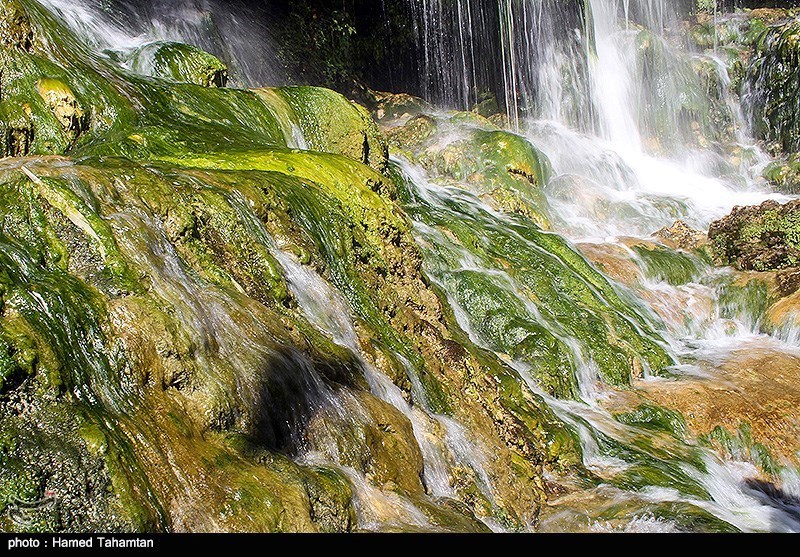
(617, 121)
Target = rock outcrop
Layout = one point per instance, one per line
(181, 63)
(762, 238)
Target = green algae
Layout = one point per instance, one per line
(203, 179)
(746, 301)
(330, 123)
(741, 446)
(684, 516)
(181, 63)
(655, 418)
(663, 264)
(502, 168)
(566, 291)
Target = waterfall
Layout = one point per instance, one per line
(616, 102)
(234, 32)
(634, 140)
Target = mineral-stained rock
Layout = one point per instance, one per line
(758, 238)
(61, 100)
(373, 438)
(681, 236)
(784, 314)
(614, 260)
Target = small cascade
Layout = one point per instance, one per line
(444, 443)
(697, 477)
(235, 33)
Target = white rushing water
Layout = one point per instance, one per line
(611, 116)
(234, 32)
(443, 441)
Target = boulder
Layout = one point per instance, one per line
(758, 238)
(179, 62)
(681, 236)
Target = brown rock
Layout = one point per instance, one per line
(681, 236)
(759, 387)
(613, 260)
(758, 238)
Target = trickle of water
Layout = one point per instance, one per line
(444, 443)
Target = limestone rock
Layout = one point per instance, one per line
(758, 238)
(681, 236)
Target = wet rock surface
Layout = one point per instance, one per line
(761, 238)
(755, 389)
(181, 63)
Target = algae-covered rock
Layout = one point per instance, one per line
(16, 30)
(760, 238)
(774, 86)
(200, 305)
(663, 264)
(398, 107)
(373, 438)
(61, 100)
(466, 151)
(177, 228)
(330, 123)
(784, 174)
(181, 63)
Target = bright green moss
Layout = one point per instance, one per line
(655, 418)
(181, 63)
(330, 123)
(663, 264)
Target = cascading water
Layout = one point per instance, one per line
(236, 33)
(623, 115)
(619, 110)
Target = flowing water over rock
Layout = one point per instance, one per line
(234, 32)
(246, 312)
